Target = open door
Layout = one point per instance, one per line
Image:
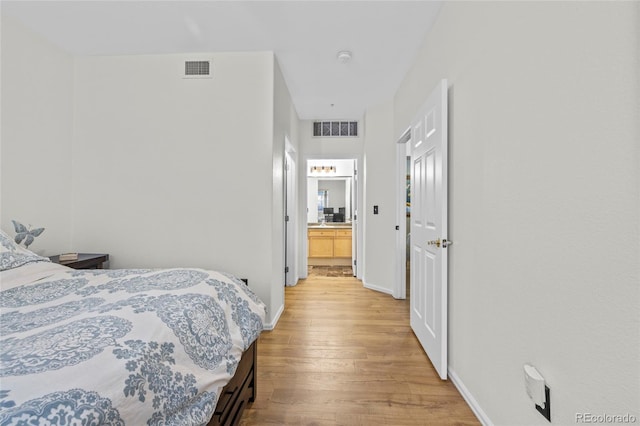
(354, 219)
(290, 225)
(429, 228)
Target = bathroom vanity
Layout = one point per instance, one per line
(329, 244)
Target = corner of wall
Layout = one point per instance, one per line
(36, 125)
(380, 190)
(273, 319)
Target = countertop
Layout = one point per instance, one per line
(338, 225)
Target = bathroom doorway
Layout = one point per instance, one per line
(332, 217)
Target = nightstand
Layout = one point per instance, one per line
(84, 261)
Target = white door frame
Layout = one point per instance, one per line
(400, 285)
(356, 226)
(290, 224)
(302, 210)
(292, 250)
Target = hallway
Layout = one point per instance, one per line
(345, 355)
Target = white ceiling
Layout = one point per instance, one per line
(306, 36)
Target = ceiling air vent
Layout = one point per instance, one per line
(197, 69)
(335, 128)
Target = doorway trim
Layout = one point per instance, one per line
(290, 215)
(302, 211)
(399, 290)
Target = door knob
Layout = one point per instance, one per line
(434, 243)
(445, 243)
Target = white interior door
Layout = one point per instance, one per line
(429, 228)
(354, 219)
(290, 225)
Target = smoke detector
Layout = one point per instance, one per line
(344, 56)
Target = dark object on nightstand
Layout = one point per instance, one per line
(84, 261)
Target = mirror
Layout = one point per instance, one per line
(329, 199)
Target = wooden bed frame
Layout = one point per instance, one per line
(239, 392)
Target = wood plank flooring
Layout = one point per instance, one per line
(345, 355)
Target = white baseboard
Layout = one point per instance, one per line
(271, 325)
(377, 288)
(294, 284)
(473, 404)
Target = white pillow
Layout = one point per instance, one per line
(12, 255)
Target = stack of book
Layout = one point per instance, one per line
(68, 257)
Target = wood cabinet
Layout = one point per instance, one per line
(321, 243)
(329, 243)
(342, 243)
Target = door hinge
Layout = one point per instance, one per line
(397, 227)
(286, 269)
(355, 263)
(286, 218)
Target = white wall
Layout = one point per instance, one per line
(380, 178)
(176, 172)
(121, 155)
(35, 139)
(312, 200)
(544, 200)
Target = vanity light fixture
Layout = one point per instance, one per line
(323, 169)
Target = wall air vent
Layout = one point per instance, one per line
(335, 128)
(197, 69)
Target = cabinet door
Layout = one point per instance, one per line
(342, 244)
(320, 246)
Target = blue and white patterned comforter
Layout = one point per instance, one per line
(120, 347)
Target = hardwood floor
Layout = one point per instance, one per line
(345, 355)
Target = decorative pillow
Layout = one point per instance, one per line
(12, 255)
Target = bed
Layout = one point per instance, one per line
(123, 347)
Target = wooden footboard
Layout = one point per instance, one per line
(239, 392)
